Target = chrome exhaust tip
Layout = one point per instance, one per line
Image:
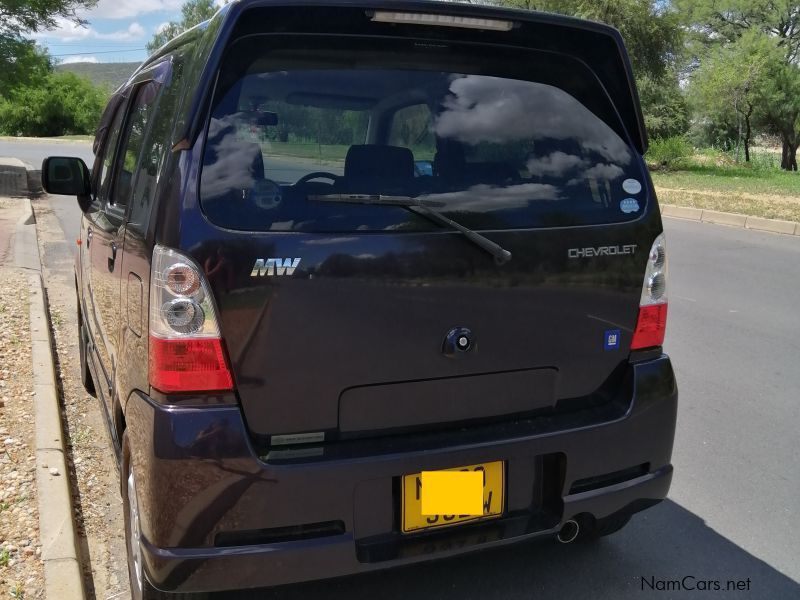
(569, 532)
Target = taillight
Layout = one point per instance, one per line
(652, 322)
(186, 349)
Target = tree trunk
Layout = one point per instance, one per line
(748, 133)
(789, 152)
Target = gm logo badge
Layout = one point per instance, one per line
(611, 339)
(274, 266)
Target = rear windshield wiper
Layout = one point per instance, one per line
(424, 209)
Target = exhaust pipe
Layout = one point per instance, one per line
(569, 532)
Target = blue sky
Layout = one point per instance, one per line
(117, 31)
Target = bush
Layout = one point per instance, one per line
(60, 104)
(668, 153)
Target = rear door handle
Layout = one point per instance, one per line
(88, 237)
(112, 259)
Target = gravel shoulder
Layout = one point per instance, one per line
(21, 568)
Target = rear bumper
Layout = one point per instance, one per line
(216, 515)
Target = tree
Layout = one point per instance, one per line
(666, 113)
(731, 84)
(20, 60)
(193, 13)
(782, 110)
(60, 104)
(17, 18)
(712, 22)
(715, 23)
(650, 28)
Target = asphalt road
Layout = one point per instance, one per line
(734, 507)
(33, 152)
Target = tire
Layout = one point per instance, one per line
(83, 352)
(140, 587)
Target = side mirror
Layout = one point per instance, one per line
(68, 176)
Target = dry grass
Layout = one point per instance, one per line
(769, 206)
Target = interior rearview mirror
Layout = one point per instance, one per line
(68, 176)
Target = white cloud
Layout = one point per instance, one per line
(161, 27)
(126, 9)
(78, 59)
(555, 164)
(501, 111)
(67, 31)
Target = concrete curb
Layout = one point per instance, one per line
(62, 568)
(13, 177)
(731, 219)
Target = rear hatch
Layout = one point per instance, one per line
(334, 148)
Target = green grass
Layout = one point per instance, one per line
(5, 556)
(713, 179)
(730, 179)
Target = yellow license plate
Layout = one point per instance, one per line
(493, 499)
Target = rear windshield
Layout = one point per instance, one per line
(301, 129)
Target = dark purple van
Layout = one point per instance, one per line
(329, 245)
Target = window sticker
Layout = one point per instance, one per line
(631, 186)
(629, 205)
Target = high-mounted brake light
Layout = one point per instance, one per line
(410, 18)
(186, 349)
(652, 322)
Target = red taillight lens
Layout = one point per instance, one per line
(650, 327)
(188, 365)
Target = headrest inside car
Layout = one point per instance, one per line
(371, 161)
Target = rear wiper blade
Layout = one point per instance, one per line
(425, 209)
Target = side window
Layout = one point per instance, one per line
(104, 177)
(155, 149)
(131, 145)
(411, 128)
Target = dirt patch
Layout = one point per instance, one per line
(21, 568)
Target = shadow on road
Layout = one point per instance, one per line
(666, 542)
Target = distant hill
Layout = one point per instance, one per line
(107, 75)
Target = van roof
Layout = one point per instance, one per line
(589, 41)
